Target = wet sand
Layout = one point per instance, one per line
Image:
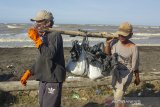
(14, 61)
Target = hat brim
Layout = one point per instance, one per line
(122, 33)
(32, 20)
(36, 19)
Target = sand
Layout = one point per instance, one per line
(14, 62)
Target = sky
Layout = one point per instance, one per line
(113, 12)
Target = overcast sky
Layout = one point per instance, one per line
(137, 12)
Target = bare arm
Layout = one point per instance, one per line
(108, 48)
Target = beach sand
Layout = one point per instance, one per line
(14, 62)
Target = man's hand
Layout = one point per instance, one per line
(109, 40)
(25, 77)
(33, 34)
(107, 49)
(137, 79)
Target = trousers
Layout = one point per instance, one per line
(50, 94)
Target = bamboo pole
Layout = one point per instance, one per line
(83, 33)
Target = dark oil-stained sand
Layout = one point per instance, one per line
(14, 61)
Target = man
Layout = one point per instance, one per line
(49, 68)
(128, 62)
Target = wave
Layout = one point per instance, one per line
(15, 40)
(89, 29)
(138, 38)
(28, 40)
(22, 40)
(55, 25)
(147, 27)
(13, 26)
(148, 44)
(147, 34)
(6, 34)
(66, 38)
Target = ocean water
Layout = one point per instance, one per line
(14, 35)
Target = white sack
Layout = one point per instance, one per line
(95, 71)
(78, 67)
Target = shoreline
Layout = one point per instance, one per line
(139, 45)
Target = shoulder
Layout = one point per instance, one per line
(131, 44)
(54, 35)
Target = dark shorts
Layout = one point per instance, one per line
(50, 94)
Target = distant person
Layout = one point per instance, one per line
(49, 67)
(128, 62)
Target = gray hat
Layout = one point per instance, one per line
(42, 15)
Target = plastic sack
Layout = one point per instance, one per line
(95, 71)
(78, 67)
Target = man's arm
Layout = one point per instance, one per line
(135, 65)
(108, 48)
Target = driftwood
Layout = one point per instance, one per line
(73, 82)
(83, 33)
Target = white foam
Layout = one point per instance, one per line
(147, 34)
(15, 40)
(148, 44)
(6, 34)
(147, 27)
(155, 27)
(13, 26)
(139, 38)
(55, 25)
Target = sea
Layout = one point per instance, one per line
(15, 34)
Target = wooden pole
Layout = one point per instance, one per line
(83, 33)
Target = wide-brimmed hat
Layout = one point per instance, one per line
(43, 15)
(124, 29)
